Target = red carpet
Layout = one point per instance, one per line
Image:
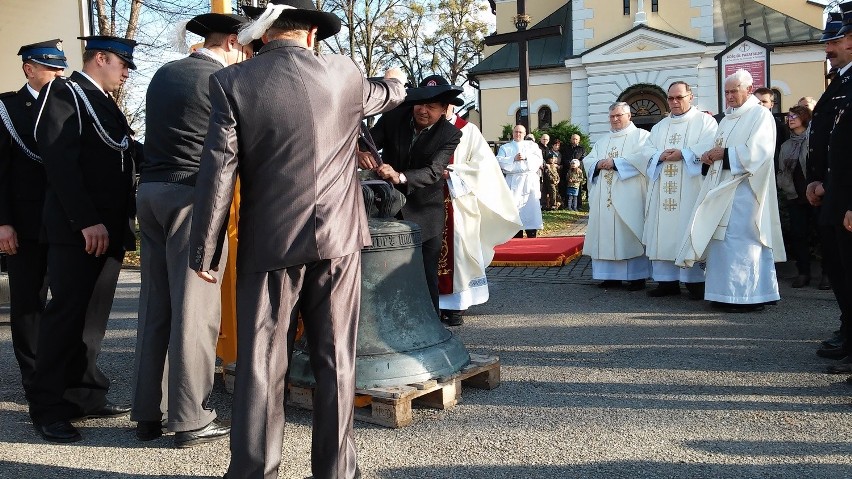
(552, 251)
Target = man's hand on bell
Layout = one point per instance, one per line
(366, 160)
(386, 172)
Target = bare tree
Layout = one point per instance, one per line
(407, 39)
(457, 43)
(364, 24)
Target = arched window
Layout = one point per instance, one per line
(517, 117)
(545, 118)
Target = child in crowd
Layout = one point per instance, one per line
(551, 184)
(575, 179)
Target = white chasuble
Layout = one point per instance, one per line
(617, 197)
(523, 180)
(735, 224)
(481, 214)
(673, 189)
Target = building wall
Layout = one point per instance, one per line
(797, 80)
(801, 10)
(25, 21)
(500, 99)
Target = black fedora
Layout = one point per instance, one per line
(328, 24)
(434, 88)
(204, 25)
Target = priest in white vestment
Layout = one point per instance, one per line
(521, 161)
(616, 168)
(735, 223)
(674, 178)
(481, 214)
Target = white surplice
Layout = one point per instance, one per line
(617, 205)
(735, 223)
(523, 180)
(674, 187)
(484, 215)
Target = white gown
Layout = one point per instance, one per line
(523, 180)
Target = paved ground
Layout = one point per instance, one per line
(596, 384)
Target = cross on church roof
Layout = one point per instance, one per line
(745, 25)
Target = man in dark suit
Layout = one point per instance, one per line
(85, 143)
(184, 324)
(288, 120)
(417, 144)
(826, 150)
(22, 185)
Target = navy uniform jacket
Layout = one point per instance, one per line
(423, 164)
(838, 182)
(22, 179)
(88, 182)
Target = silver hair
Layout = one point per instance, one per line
(742, 77)
(620, 104)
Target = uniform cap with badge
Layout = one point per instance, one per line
(48, 53)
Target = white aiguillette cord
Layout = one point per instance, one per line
(254, 30)
(7, 121)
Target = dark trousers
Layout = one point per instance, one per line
(27, 296)
(837, 252)
(530, 233)
(68, 383)
(328, 295)
(431, 255)
(801, 216)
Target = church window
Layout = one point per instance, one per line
(655, 5)
(518, 116)
(545, 117)
(776, 101)
(627, 7)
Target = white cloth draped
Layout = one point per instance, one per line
(735, 218)
(673, 190)
(617, 205)
(484, 216)
(523, 180)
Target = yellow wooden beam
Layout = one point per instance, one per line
(220, 6)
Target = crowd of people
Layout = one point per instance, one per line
(691, 201)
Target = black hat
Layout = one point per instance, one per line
(47, 53)
(833, 24)
(122, 47)
(846, 8)
(327, 24)
(204, 25)
(434, 88)
(252, 12)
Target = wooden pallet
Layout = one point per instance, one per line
(391, 406)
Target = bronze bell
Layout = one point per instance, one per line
(400, 337)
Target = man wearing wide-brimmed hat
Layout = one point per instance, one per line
(288, 121)
(22, 185)
(418, 143)
(183, 325)
(87, 149)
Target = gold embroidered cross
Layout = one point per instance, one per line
(675, 139)
(670, 170)
(670, 187)
(719, 141)
(613, 153)
(670, 204)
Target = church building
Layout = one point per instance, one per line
(631, 50)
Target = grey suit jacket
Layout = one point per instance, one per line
(287, 121)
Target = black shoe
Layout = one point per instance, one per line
(149, 430)
(738, 308)
(835, 341)
(108, 410)
(801, 281)
(610, 283)
(59, 431)
(824, 283)
(831, 353)
(696, 290)
(211, 432)
(452, 318)
(665, 288)
(636, 285)
(843, 367)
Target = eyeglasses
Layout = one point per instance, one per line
(792, 116)
(678, 98)
(612, 117)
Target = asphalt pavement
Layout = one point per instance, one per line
(595, 384)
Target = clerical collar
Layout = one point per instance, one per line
(32, 91)
(94, 82)
(684, 113)
(209, 53)
(619, 131)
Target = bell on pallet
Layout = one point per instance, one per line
(400, 337)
